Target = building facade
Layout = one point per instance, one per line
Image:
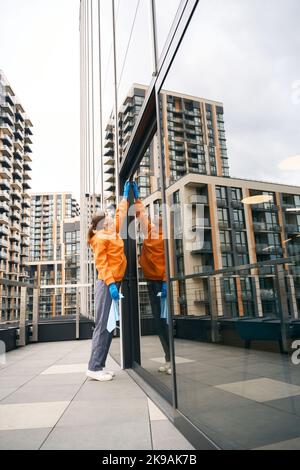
(47, 257)
(15, 167)
(194, 138)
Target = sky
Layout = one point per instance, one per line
(243, 53)
(39, 54)
(246, 54)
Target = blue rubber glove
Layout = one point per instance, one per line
(164, 290)
(135, 190)
(126, 189)
(113, 290)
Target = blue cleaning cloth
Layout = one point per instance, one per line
(113, 314)
(163, 307)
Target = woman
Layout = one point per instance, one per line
(110, 261)
(152, 262)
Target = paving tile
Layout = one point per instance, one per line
(262, 389)
(154, 412)
(246, 427)
(23, 439)
(291, 444)
(42, 393)
(52, 379)
(115, 410)
(166, 437)
(104, 436)
(30, 415)
(66, 369)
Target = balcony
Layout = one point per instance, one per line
(15, 236)
(5, 173)
(201, 247)
(292, 228)
(3, 242)
(17, 173)
(203, 269)
(4, 196)
(198, 199)
(5, 161)
(4, 230)
(16, 184)
(4, 183)
(199, 224)
(3, 254)
(4, 206)
(3, 218)
(14, 247)
(15, 204)
(15, 215)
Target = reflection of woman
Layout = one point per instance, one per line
(110, 261)
(152, 262)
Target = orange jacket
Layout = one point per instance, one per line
(108, 248)
(152, 259)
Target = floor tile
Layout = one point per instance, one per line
(261, 390)
(154, 412)
(30, 415)
(66, 369)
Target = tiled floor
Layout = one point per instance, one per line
(241, 398)
(46, 402)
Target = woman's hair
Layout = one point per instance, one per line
(97, 224)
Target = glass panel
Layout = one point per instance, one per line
(134, 57)
(165, 15)
(155, 348)
(236, 327)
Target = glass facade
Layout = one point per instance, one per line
(207, 131)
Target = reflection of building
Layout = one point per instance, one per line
(15, 150)
(233, 234)
(47, 253)
(71, 240)
(194, 139)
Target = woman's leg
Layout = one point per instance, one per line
(161, 326)
(101, 337)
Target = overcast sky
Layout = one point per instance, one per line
(244, 53)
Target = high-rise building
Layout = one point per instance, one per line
(47, 262)
(15, 160)
(71, 231)
(194, 138)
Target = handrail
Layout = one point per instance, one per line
(243, 267)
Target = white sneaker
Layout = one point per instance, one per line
(111, 372)
(165, 367)
(100, 375)
(169, 371)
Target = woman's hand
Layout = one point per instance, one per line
(135, 189)
(113, 290)
(126, 189)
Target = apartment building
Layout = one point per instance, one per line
(71, 240)
(194, 139)
(47, 257)
(226, 232)
(15, 167)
